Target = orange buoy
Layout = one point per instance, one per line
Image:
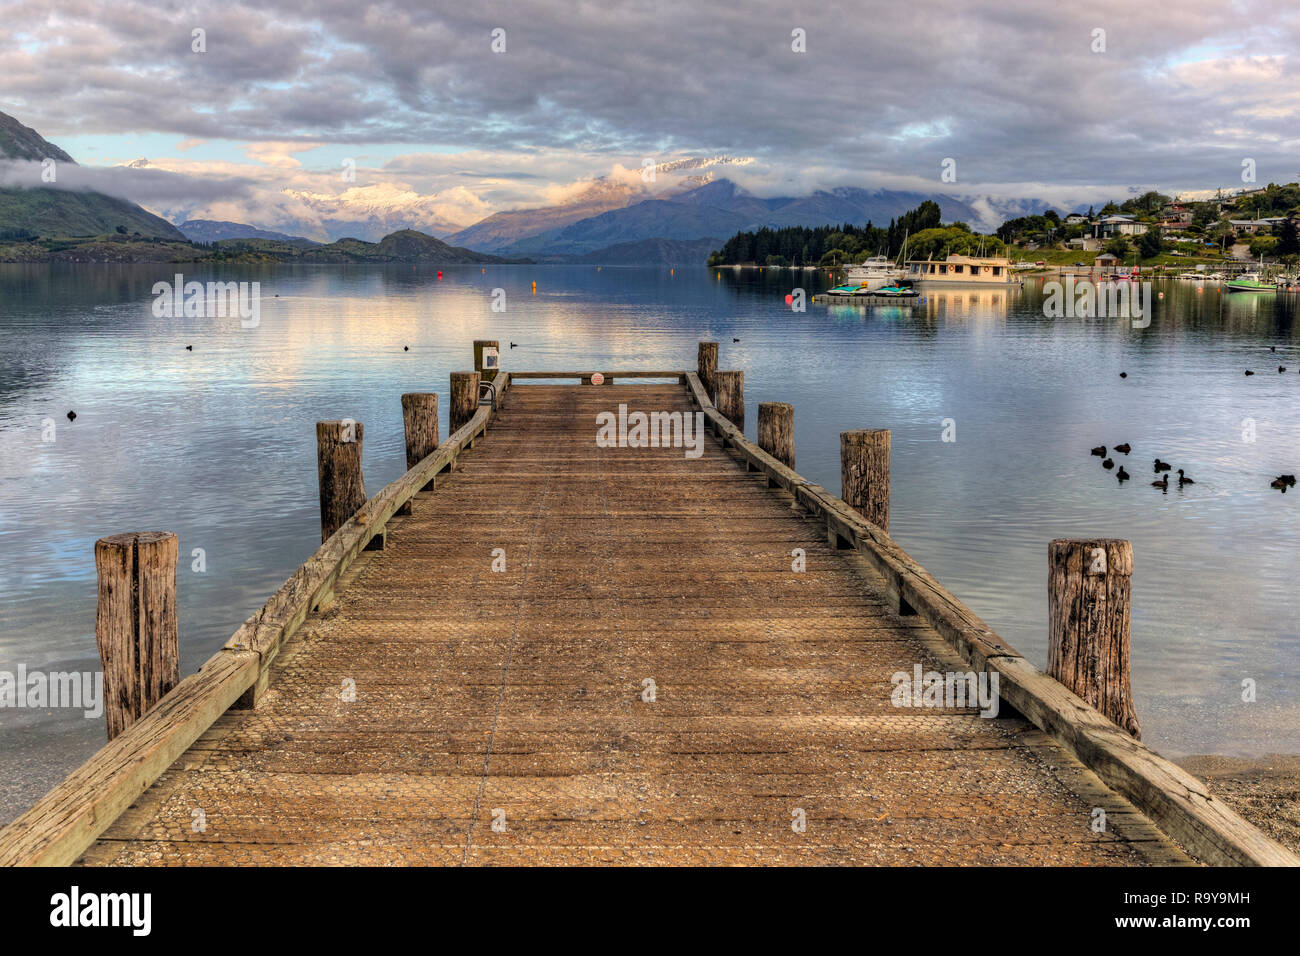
(534, 287)
(439, 273)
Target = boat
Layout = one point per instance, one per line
(848, 289)
(873, 273)
(963, 270)
(900, 290)
(1250, 282)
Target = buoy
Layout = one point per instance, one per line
(439, 273)
(718, 276)
(672, 272)
(534, 287)
(789, 299)
(485, 272)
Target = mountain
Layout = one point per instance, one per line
(718, 208)
(51, 212)
(210, 230)
(506, 228)
(22, 142)
(372, 212)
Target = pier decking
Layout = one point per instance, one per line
(568, 654)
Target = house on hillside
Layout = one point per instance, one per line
(1085, 244)
(1112, 226)
(1106, 261)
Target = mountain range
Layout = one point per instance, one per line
(607, 220)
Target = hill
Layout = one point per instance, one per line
(45, 211)
(211, 230)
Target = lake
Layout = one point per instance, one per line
(218, 445)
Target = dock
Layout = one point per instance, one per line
(535, 648)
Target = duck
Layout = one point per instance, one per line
(72, 416)
(1272, 348)
(189, 348)
(1279, 484)
(1289, 479)
(1100, 451)
(1125, 448)
(1123, 374)
(1249, 372)
(512, 345)
(1162, 484)
(406, 348)
(1108, 464)
(1162, 466)
(1183, 479)
(1122, 475)
(735, 340)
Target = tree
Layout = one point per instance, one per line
(1288, 240)
(1150, 244)
(1118, 247)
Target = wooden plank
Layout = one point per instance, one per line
(57, 830)
(62, 824)
(1171, 796)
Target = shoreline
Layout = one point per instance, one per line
(1264, 790)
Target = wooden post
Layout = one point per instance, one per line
(487, 359)
(464, 399)
(730, 400)
(1089, 591)
(420, 417)
(864, 473)
(776, 431)
(707, 366)
(338, 472)
(135, 623)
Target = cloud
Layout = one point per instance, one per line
(1013, 91)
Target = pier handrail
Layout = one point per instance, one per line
(67, 820)
(1175, 800)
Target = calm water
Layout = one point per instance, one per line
(218, 445)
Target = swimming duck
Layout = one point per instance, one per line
(1279, 484)
(1162, 484)
(1100, 451)
(1108, 464)
(1183, 479)
(189, 348)
(512, 345)
(1289, 479)
(406, 348)
(1162, 466)
(1125, 448)
(1122, 475)
(72, 416)
(1249, 372)
(1123, 374)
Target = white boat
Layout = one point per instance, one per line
(963, 270)
(874, 273)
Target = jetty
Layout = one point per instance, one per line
(554, 640)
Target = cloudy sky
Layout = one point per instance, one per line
(1072, 102)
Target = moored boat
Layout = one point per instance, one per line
(963, 270)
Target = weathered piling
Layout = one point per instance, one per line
(864, 473)
(776, 431)
(1089, 596)
(338, 472)
(464, 398)
(707, 366)
(730, 398)
(135, 623)
(487, 358)
(420, 419)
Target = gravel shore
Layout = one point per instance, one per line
(1264, 790)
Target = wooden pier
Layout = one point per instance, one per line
(535, 649)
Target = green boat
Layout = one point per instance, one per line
(1250, 282)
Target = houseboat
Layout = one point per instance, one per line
(963, 270)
